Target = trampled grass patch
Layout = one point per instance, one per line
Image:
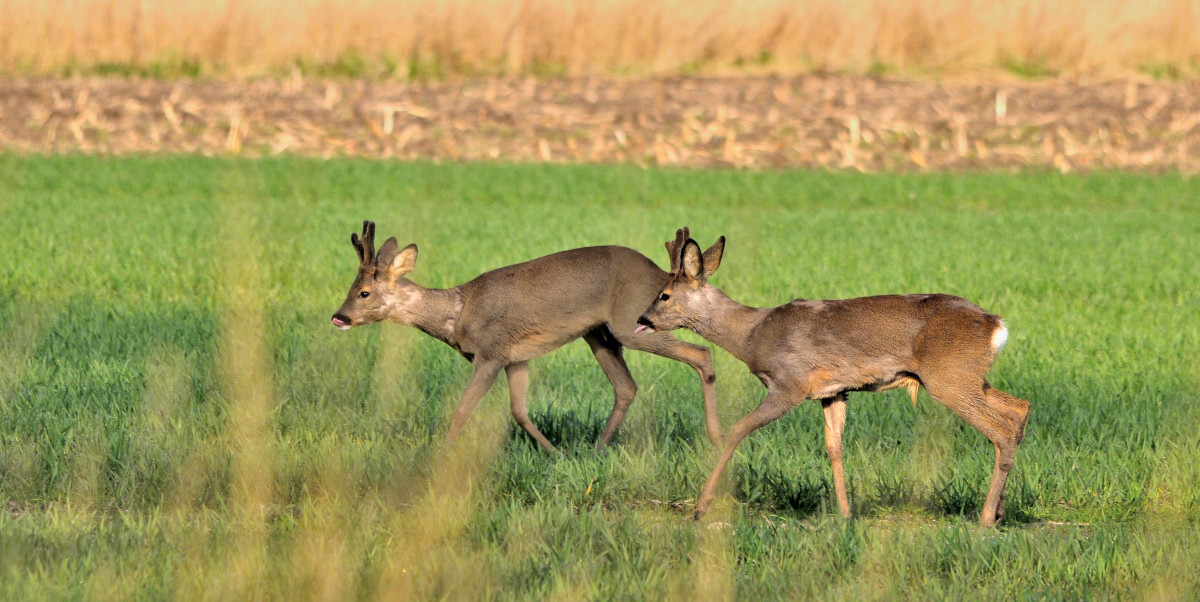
(145, 300)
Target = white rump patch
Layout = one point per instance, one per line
(999, 338)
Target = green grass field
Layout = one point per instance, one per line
(179, 419)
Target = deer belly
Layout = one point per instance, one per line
(823, 384)
(535, 344)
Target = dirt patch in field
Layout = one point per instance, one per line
(808, 121)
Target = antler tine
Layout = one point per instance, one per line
(368, 242)
(358, 248)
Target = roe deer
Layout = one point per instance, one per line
(825, 349)
(505, 317)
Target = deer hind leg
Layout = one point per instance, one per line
(696, 356)
(518, 385)
(995, 414)
(835, 422)
(1016, 410)
(607, 350)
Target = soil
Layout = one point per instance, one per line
(809, 121)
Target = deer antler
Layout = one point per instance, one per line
(675, 247)
(365, 246)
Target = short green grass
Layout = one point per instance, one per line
(179, 419)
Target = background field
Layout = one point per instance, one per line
(179, 418)
(806, 121)
(440, 38)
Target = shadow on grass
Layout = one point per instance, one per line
(772, 487)
(563, 427)
(800, 495)
(958, 495)
(813, 495)
(579, 426)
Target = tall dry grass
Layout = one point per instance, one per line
(450, 37)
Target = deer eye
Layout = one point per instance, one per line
(664, 297)
(364, 294)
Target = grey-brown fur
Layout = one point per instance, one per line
(505, 317)
(825, 349)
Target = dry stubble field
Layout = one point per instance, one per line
(872, 124)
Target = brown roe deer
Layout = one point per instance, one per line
(825, 349)
(505, 317)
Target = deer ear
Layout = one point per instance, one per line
(691, 261)
(387, 253)
(404, 261)
(712, 257)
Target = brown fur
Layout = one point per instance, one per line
(825, 349)
(505, 317)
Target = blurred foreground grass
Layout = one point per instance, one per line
(177, 417)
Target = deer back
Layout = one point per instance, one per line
(548, 301)
(867, 343)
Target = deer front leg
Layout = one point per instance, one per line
(518, 384)
(700, 359)
(774, 406)
(708, 389)
(481, 381)
(835, 422)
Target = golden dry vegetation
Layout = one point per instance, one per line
(570, 37)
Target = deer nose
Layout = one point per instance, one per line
(340, 321)
(643, 324)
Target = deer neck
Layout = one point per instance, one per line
(437, 313)
(727, 323)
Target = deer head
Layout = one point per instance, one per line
(684, 296)
(380, 291)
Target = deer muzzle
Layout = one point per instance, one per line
(645, 324)
(342, 322)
